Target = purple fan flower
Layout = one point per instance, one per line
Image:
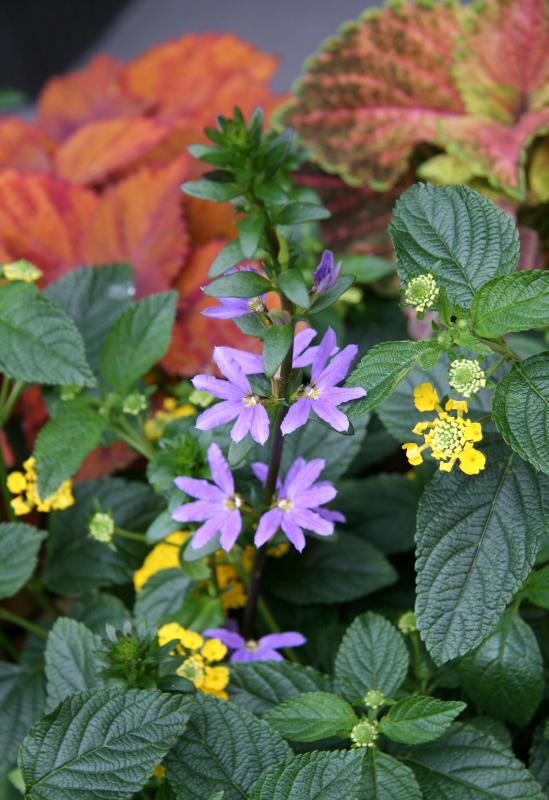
(264, 649)
(217, 505)
(321, 394)
(234, 307)
(260, 471)
(296, 505)
(326, 274)
(238, 401)
(303, 355)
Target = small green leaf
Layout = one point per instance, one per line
(243, 283)
(72, 660)
(161, 527)
(229, 257)
(521, 410)
(251, 230)
(224, 748)
(385, 778)
(19, 547)
(292, 284)
(114, 737)
(372, 655)
(138, 339)
(536, 588)
(297, 213)
(64, 442)
(366, 269)
(516, 302)
(313, 776)
(40, 342)
(277, 341)
(217, 191)
(326, 299)
(312, 716)
(262, 685)
(416, 719)
(162, 596)
(507, 664)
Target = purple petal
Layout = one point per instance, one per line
(199, 488)
(247, 655)
(195, 512)
(219, 414)
(229, 308)
(293, 531)
(331, 516)
(330, 414)
(287, 639)
(267, 654)
(304, 478)
(337, 369)
(207, 531)
(297, 416)
(250, 363)
(337, 395)
(221, 473)
(231, 529)
(312, 521)
(325, 347)
(260, 424)
(292, 473)
(230, 369)
(242, 424)
(302, 340)
(316, 496)
(232, 640)
(268, 526)
(260, 471)
(219, 388)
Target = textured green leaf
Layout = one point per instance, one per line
(64, 442)
(292, 284)
(537, 588)
(137, 340)
(19, 546)
(416, 719)
(101, 743)
(72, 660)
(75, 563)
(312, 716)
(456, 234)
(372, 655)
(466, 764)
(521, 410)
(262, 685)
(313, 776)
(243, 283)
(507, 664)
(224, 748)
(276, 343)
(162, 596)
(94, 297)
(22, 697)
(330, 572)
(326, 299)
(539, 758)
(40, 342)
(385, 778)
(517, 302)
(382, 369)
(297, 213)
(98, 609)
(477, 540)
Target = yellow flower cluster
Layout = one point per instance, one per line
(200, 656)
(170, 411)
(22, 270)
(23, 484)
(450, 438)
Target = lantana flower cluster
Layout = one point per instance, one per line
(24, 485)
(200, 658)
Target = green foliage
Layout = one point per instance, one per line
(517, 302)
(277, 341)
(72, 660)
(416, 719)
(385, 778)
(238, 284)
(262, 685)
(311, 716)
(22, 698)
(162, 596)
(294, 287)
(536, 588)
(19, 547)
(314, 776)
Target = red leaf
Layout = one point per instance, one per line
(22, 146)
(43, 219)
(194, 335)
(106, 147)
(98, 91)
(140, 221)
(105, 461)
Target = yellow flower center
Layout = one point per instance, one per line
(284, 504)
(447, 437)
(255, 304)
(230, 503)
(250, 400)
(252, 646)
(311, 392)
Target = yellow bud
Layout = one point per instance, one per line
(16, 482)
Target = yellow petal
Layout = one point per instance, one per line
(169, 631)
(214, 650)
(471, 461)
(446, 466)
(420, 427)
(457, 405)
(425, 397)
(215, 678)
(20, 506)
(472, 431)
(16, 482)
(190, 639)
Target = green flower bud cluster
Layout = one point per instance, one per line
(374, 699)
(365, 733)
(466, 376)
(407, 623)
(134, 403)
(101, 527)
(421, 292)
(22, 270)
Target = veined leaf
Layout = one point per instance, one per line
(537, 588)
(516, 302)
(385, 778)
(312, 716)
(262, 685)
(477, 540)
(19, 546)
(313, 776)
(416, 719)
(162, 596)
(243, 283)
(72, 662)
(22, 696)
(292, 284)
(539, 758)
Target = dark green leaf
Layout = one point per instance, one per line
(312, 716)
(40, 342)
(537, 588)
(521, 410)
(517, 302)
(262, 685)
(416, 719)
(539, 758)
(243, 283)
(162, 526)
(326, 299)
(277, 341)
(385, 778)
(72, 660)
(224, 748)
(113, 737)
(297, 213)
(251, 230)
(462, 234)
(98, 609)
(507, 664)
(477, 540)
(162, 596)
(372, 655)
(19, 547)
(313, 776)
(366, 269)
(217, 191)
(22, 697)
(229, 257)
(293, 286)
(199, 613)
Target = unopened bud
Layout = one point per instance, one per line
(466, 376)
(407, 623)
(421, 292)
(22, 270)
(101, 527)
(134, 403)
(374, 699)
(365, 733)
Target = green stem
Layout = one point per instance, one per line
(7, 407)
(496, 366)
(135, 537)
(3, 486)
(9, 616)
(134, 439)
(6, 383)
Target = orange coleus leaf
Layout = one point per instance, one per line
(43, 218)
(140, 221)
(377, 89)
(106, 147)
(194, 335)
(98, 91)
(23, 146)
(194, 78)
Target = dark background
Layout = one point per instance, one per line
(40, 38)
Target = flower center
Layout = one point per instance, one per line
(284, 504)
(256, 304)
(230, 503)
(447, 437)
(252, 646)
(250, 400)
(311, 392)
